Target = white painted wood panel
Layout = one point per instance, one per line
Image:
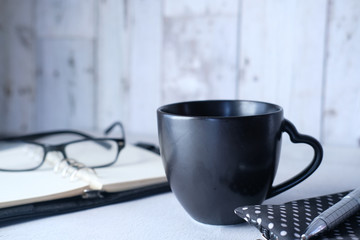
(281, 57)
(66, 65)
(87, 63)
(199, 50)
(66, 18)
(65, 86)
(190, 8)
(18, 73)
(111, 102)
(144, 42)
(342, 103)
(2, 65)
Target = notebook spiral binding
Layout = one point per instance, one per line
(71, 168)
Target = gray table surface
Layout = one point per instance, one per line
(162, 217)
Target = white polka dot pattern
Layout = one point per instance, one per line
(289, 221)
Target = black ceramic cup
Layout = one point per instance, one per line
(223, 154)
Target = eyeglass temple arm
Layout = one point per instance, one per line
(109, 129)
(45, 134)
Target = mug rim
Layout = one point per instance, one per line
(163, 112)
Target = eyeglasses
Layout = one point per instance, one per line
(28, 152)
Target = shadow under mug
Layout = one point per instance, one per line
(222, 154)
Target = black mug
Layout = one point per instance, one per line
(222, 154)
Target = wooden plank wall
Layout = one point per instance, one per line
(342, 73)
(65, 79)
(18, 65)
(86, 63)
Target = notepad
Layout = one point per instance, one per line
(136, 167)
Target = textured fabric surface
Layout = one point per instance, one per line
(289, 221)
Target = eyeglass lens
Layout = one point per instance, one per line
(93, 153)
(20, 155)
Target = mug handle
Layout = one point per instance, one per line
(296, 137)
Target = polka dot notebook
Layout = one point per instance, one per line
(289, 221)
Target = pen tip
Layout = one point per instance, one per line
(303, 237)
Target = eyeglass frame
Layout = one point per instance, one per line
(61, 147)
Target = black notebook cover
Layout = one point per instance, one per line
(289, 221)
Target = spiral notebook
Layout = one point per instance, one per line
(31, 195)
(289, 221)
(136, 168)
